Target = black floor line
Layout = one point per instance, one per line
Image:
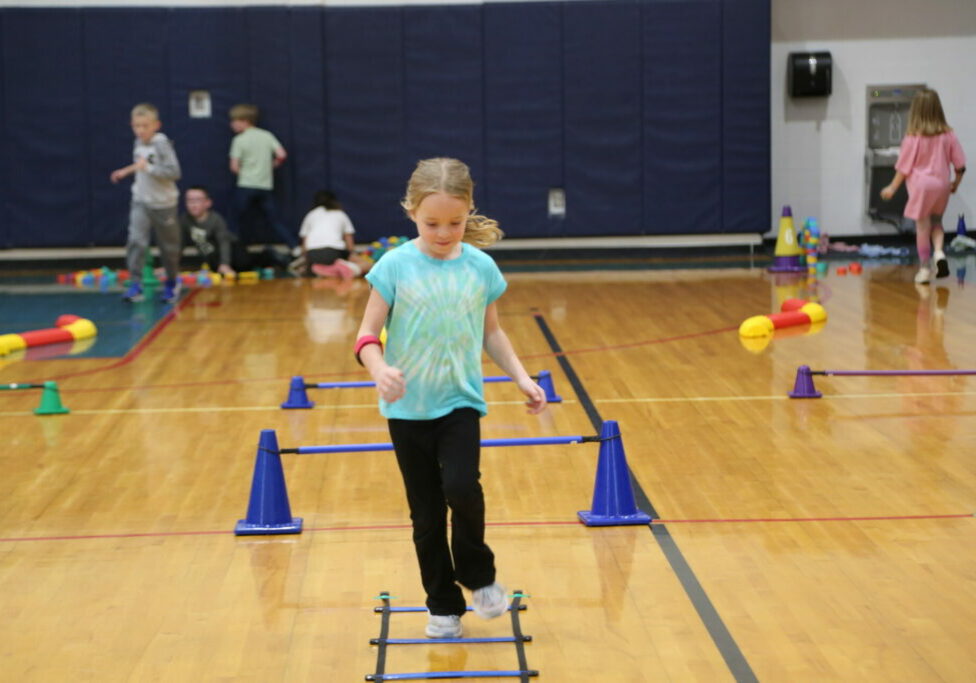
(723, 640)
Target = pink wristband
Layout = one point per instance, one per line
(366, 340)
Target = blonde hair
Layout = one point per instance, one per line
(146, 109)
(926, 116)
(451, 177)
(245, 112)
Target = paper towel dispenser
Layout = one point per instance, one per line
(808, 74)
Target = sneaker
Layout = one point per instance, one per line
(297, 266)
(344, 271)
(171, 291)
(443, 626)
(490, 602)
(133, 293)
(941, 264)
(325, 271)
(923, 275)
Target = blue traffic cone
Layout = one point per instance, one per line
(803, 386)
(297, 397)
(613, 493)
(545, 381)
(268, 511)
(961, 225)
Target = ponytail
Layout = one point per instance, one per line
(481, 231)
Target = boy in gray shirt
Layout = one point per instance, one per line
(154, 203)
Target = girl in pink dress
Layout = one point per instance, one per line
(929, 148)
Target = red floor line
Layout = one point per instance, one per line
(810, 519)
(134, 353)
(161, 534)
(143, 344)
(631, 345)
(382, 527)
(216, 382)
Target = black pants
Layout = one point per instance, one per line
(439, 463)
(325, 256)
(246, 200)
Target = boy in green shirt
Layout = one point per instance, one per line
(254, 154)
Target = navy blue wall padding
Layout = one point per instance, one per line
(208, 51)
(47, 148)
(602, 113)
(652, 115)
(442, 94)
(308, 147)
(682, 117)
(125, 59)
(269, 42)
(523, 89)
(4, 156)
(746, 195)
(364, 70)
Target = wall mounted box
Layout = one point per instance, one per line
(809, 74)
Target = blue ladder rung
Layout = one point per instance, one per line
(522, 607)
(431, 675)
(451, 641)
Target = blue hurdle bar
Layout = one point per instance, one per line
(356, 385)
(448, 641)
(298, 398)
(485, 443)
(431, 675)
(521, 607)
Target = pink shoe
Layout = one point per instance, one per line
(344, 271)
(325, 271)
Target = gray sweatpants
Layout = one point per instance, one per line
(143, 221)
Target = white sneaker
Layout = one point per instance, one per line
(490, 602)
(941, 264)
(443, 626)
(923, 275)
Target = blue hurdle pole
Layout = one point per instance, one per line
(298, 398)
(449, 641)
(439, 675)
(355, 385)
(340, 385)
(485, 443)
(521, 608)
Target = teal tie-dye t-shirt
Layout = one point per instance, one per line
(435, 329)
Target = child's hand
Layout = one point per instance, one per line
(390, 383)
(117, 175)
(887, 193)
(536, 396)
(224, 269)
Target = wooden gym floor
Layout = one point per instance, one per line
(812, 540)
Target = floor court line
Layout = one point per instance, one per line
(143, 344)
(722, 639)
(550, 523)
(363, 406)
(224, 409)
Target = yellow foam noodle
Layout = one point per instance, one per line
(10, 343)
(755, 344)
(756, 326)
(815, 311)
(81, 329)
